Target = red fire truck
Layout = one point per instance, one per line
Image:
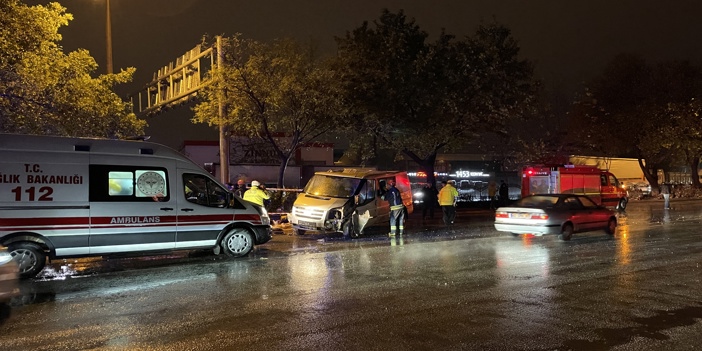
(601, 186)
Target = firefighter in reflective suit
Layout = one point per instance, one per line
(397, 209)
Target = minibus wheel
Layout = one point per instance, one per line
(238, 242)
(30, 258)
(349, 230)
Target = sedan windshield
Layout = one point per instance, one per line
(322, 185)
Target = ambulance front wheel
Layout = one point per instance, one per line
(238, 242)
(30, 258)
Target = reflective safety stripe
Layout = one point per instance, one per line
(396, 207)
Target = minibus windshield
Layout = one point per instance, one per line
(322, 185)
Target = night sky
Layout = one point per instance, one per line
(568, 40)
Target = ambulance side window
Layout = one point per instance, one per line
(202, 190)
(109, 183)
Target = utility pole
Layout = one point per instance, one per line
(224, 138)
(108, 24)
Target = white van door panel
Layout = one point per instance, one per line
(202, 210)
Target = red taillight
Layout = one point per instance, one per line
(501, 215)
(539, 216)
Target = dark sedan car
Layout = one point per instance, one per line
(562, 214)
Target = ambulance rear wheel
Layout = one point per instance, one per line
(30, 258)
(238, 242)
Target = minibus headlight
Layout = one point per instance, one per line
(334, 214)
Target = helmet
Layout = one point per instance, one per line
(255, 183)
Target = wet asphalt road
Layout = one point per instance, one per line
(469, 288)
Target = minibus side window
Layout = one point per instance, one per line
(367, 192)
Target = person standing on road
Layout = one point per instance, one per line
(240, 188)
(447, 200)
(429, 200)
(256, 195)
(504, 193)
(665, 190)
(397, 208)
(492, 193)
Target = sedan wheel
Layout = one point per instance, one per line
(611, 226)
(567, 232)
(238, 242)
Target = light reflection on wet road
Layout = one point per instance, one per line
(470, 288)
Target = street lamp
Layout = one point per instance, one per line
(109, 38)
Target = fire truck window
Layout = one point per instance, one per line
(613, 181)
(603, 180)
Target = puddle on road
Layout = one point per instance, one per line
(653, 327)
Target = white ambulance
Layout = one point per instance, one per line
(76, 197)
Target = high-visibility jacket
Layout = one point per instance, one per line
(256, 196)
(393, 197)
(447, 195)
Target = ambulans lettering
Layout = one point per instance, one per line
(134, 220)
(54, 179)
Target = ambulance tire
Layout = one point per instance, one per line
(238, 242)
(567, 232)
(622, 204)
(29, 256)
